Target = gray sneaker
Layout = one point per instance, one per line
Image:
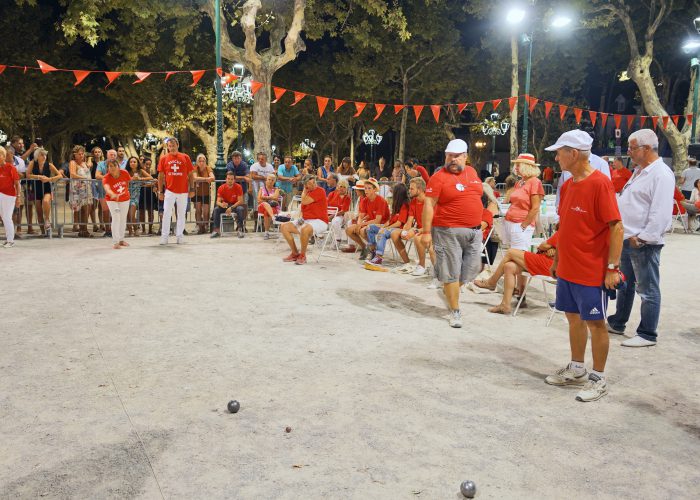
(567, 376)
(455, 319)
(240, 233)
(594, 389)
(267, 236)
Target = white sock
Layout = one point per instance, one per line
(577, 366)
(600, 375)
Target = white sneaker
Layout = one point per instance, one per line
(638, 341)
(406, 268)
(180, 240)
(594, 389)
(567, 376)
(419, 271)
(434, 285)
(163, 241)
(456, 319)
(9, 244)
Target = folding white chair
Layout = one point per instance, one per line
(326, 238)
(683, 218)
(225, 222)
(484, 252)
(546, 280)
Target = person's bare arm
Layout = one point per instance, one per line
(617, 233)
(535, 202)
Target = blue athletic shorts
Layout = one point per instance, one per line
(590, 302)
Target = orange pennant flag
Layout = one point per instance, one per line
(435, 108)
(688, 118)
(630, 121)
(228, 78)
(298, 96)
(197, 75)
(577, 113)
(532, 102)
(618, 120)
(45, 68)
(338, 104)
(2, 68)
(111, 76)
(512, 102)
(80, 75)
(279, 92)
(359, 106)
(479, 107)
(604, 118)
(255, 86)
(398, 108)
(169, 74)
(594, 117)
(460, 107)
(417, 110)
(141, 77)
(675, 119)
(664, 120)
(654, 121)
(495, 103)
(220, 72)
(321, 102)
(562, 111)
(547, 108)
(642, 120)
(378, 108)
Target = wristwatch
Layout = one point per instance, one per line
(613, 267)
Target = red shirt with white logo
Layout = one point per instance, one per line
(585, 210)
(342, 203)
(376, 207)
(229, 194)
(319, 208)
(415, 210)
(120, 185)
(8, 178)
(177, 168)
(458, 198)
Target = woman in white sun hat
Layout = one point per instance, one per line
(525, 200)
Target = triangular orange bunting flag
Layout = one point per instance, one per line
(2, 68)
(654, 121)
(169, 74)
(228, 78)
(512, 102)
(604, 118)
(338, 104)
(220, 72)
(642, 119)
(378, 108)
(80, 75)
(255, 86)
(533, 102)
(359, 106)
(460, 107)
(547, 108)
(479, 106)
(279, 92)
(562, 111)
(417, 110)
(495, 103)
(435, 108)
(577, 113)
(111, 76)
(618, 120)
(197, 75)
(630, 121)
(664, 120)
(322, 102)
(45, 68)
(298, 96)
(594, 117)
(675, 119)
(398, 108)
(688, 118)
(141, 77)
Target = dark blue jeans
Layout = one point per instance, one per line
(641, 268)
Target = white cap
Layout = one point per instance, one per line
(456, 146)
(577, 139)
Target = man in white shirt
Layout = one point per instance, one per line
(646, 205)
(689, 176)
(596, 162)
(258, 173)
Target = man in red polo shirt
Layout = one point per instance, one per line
(452, 222)
(586, 263)
(314, 220)
(619, 174)
(175, 178)
(229, 201)
(373, 210)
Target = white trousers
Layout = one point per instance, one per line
(517, 237)
(171, 199)
(337, 226)
(7, 206)
(119, 211)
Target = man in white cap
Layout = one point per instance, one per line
(586, 263)
(596, 161)
(452, 222)
(646, 205)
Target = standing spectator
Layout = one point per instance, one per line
(362, 171)
(121, 157)
(373, 210)
(689, 176)
(619, 174)
(548, 175)
(100, 172)
(397, 173)
(269, 200)
(138, 175)
(586, 262)
(175, 177)
(148, 200)
(340, 199)
(258, 173)
(287, 175)
(345, 170)
(98, 193)
(510, 182)
(116, 185)
(80, 190)
(595, 161)
(44, 174)
(240, 170)
(646, 205)
(9, 188)
(413, 170)
(525, 200)
(452, 222)
(203, 177)
(230, 200)
(314, 220)
(21, 158)
(379, 235)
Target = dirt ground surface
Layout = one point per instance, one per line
(116, 368)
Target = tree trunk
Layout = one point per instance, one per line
(514, 90)
(404, 120)
(261, 112)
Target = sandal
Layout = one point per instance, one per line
(500, 309)
(484, 284)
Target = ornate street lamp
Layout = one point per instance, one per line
(239, 93)
(3, 137)
(371, 138)
(494, 126)
(692, 47)
(307, 146)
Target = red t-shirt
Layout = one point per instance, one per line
(8, 177)
(487, 217)
(177, 168)
(229, 194)
(585, 210)
(678, 196)
(371, 209)
(342, 203)
(319, 208)
(415, 210)
(619, 178)
(401, 216)
(521, 201)
(458, 198)
(548, 174)
(423, 173)
(539, 264)
(120, 185)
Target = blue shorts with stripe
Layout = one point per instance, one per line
(590, 302)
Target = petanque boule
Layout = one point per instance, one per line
(468, 489)
(234, 406)
(288, 430)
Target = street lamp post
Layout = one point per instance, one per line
(494, 126)
(220, 167)
(371, 138)
(693, 47)
(240, 93)
(526, 107)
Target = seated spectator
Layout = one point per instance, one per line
(678, 198)
(340, 199)
(378, 235)
(229, 201)
(325, 169)
(695, 194)
(412, 228)
(373, 210)
(491, 182)
(412, 170)
(345, 170)
(269, 200)
(314, 220)
(514, 263)
(331, 183)
(397, 171)
(362, 171)
(692, 207)
(385, 188)
(510, 185)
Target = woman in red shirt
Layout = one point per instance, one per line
(525, 199)
(340, 199)
(378, 235)
(116, 184)
(9, 187)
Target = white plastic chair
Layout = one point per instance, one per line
(682, 218)
(546, 280)
(327, 236)
(484, 252)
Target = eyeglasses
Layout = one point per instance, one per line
(633, 148)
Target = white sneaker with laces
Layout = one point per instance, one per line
(638, 341)
(567, 376)
(406, 268)
(180, 240)
(456, 319)
(9, 244)
(163, 241)
(434, 285)
(594, 389)
(419, 271)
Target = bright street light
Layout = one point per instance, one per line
(515, 15)
(690, 46)
(560, 21)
